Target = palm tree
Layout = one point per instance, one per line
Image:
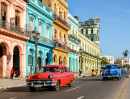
(125, 53)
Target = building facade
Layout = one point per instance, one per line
(39, 20)
(90, 29)
(13, 37)
(89, 53)
(110, 59)
(60, 30)
(123, 61)
(73, 43)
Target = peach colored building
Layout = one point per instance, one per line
(13, 37)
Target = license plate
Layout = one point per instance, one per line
(38, 86)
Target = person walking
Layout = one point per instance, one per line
(18, 73)
(12, 73)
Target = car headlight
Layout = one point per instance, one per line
(27, 77)
(51, 76)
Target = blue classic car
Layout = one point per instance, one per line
(123, 70)
(112, 71)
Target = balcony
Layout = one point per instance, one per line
(44, 39)
(61, 22)
(13, 28)
(74, 51)
(71, 36)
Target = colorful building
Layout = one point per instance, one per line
(39, 19)
(73, 43)
(60, 30)
(90, 54)
(90, 29)
(13, 37)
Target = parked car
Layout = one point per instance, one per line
(51, 76)
(123, 70)
(95, 71)
(112, 71)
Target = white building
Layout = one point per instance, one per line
(110, 59)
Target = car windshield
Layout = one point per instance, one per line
(111, 67)
(50, 69)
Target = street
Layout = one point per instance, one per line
(83, 88)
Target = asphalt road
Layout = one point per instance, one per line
(83, 88)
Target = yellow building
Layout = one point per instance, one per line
(90, 54)
(60, 30)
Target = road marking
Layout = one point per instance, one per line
(119, 92)
(123, 94)
(72, 89)
(13, 98)
(80, 97)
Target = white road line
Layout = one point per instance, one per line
(80, 97)
(72, 89)
(13, 98)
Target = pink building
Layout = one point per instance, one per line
(13, 36)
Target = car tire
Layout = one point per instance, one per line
(32, 89)
(104, 78)
(57, 87)
(118, 78)
(70, 84)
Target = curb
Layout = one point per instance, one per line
(19, 85)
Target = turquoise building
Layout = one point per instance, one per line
(39, 19)
(73, 43)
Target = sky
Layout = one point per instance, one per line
(114, 23)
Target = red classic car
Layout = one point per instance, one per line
(51, 76)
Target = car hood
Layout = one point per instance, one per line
(42, 76)
(111, 70)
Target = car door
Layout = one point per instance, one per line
(67, 76)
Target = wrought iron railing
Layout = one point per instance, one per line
(74, 51)
(61, 46)
(44, 39)
(56, 17)
(13, 28)
(74, 37)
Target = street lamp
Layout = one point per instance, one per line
(81, 51)
(97, 60)
(36, 37)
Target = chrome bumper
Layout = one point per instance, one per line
(41, 85)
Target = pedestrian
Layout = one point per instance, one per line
(12, 73)
(18, 73)
(80, 72)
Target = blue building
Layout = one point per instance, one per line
(73, 43)
(40, 19)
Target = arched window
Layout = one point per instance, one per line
(60, 13)
(40, 28)
(3, 11)
(48, 32)
(17, 18)
(64, 38)
(31, 24)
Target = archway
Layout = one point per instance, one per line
(55, 59)
(16, 59)
(30, 62)
(40, 56)
(60, 60)
(47, 59)
(70, 65)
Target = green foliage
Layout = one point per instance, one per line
(104, 61)
(125, 53)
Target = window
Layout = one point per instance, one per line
(64, 16)
(31, 24)
(97, 31)
(64, 38)
(66, 70)
(55, 33)
(91, 30)
(48, 32)
(40, 28)
(86, 31)
(91, 39)
(60, 36)
(82, 31)
(60, 13)
(3, 11)
(17, 18)
(55, 8)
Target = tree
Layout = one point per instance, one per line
(104, 61)
(125, 53)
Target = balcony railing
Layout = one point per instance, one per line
(74, 37)
(57, 44)
(44, 39)
(56, 17)
(74, 51)
(14, 28)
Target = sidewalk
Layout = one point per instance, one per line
(83, 75)
(8, 83)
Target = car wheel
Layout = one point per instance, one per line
(70, 84)
(57, 87)
(118, 78)
(32, 89)
(104, 78)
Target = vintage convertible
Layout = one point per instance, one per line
(112, 71)
(51, 76)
